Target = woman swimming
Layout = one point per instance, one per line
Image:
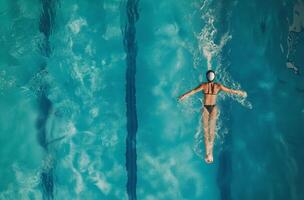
(209, 111)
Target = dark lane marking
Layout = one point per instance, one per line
(225, 161)
(45, 105)
(129, 39)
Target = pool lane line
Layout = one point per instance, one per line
(44, 103)
(130, 46)
(224, 172)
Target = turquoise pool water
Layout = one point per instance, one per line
(89, 110)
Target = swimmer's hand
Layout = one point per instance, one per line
(242, 93)
(182, 97)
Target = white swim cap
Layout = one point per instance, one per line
(210, 75)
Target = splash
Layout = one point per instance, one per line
(206, 37)
(226, 79)
(295, 35)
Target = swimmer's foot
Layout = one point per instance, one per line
(209, 158)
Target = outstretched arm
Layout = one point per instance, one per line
(191, 92)
(238, 92)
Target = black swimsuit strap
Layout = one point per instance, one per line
(212, 89)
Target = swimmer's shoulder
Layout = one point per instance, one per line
(204, 85)
(219, 86)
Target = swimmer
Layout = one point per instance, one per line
(209, 111)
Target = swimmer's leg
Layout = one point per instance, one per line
(213, 119)
(205, 123)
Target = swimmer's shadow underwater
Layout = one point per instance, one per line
(210, 110)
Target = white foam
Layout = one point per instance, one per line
(76, 25)
(207, 35)
(99, 180)
(27, 183)
(291, 66)
(226, 79)
(84, 161)
(112, 32)
(102, 185)
(76, 174)
(298, 17)
(297, 26)
(89, 49)
(70, 129)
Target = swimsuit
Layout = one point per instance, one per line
(210, 107)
